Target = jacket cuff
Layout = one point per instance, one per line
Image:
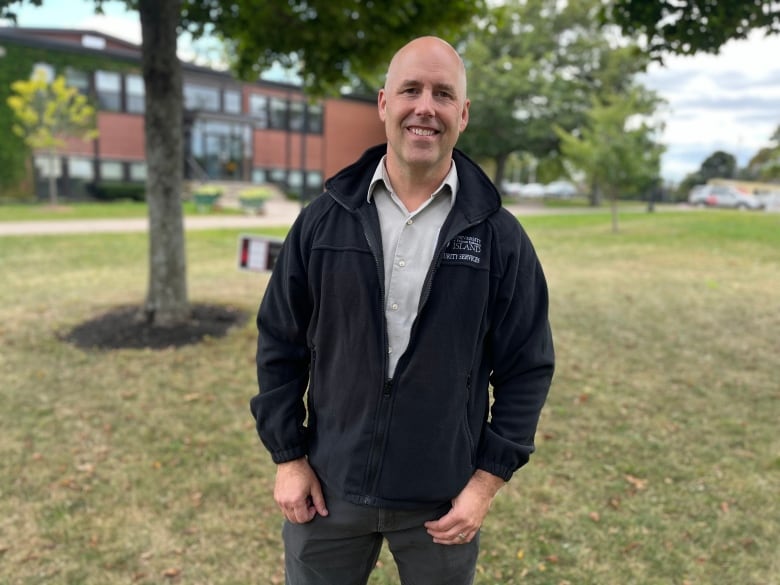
(286, 455)
(501, 457)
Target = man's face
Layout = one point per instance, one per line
(423, 106)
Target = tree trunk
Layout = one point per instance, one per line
(166, 301)
(595, 195)
(52, 179)
(614, 204)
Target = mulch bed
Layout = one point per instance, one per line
(126, 328)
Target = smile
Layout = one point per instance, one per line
(422, 131)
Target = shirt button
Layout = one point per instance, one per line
(394, 306)
(409, 222)
(389, 350)
(402, 263)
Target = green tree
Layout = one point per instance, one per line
(48, 112)
(327, 40)
(765, 164)
(719, 165)
(616, 150)
(691, 26)
(533, 64)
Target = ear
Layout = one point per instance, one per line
(382, 104)
(464, 115)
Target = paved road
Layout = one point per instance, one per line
(279, 212)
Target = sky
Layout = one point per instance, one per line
(728, 102)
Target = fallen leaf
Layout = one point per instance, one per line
(171, 573)
(638, 484)
(520, 554)
(87, 468)
(724, 507)
(631, 546)
(594, 516)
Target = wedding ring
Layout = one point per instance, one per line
(461, 536)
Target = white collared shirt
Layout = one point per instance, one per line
(408, 245)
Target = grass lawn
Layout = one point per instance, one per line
(658, 455)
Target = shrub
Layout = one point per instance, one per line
(115, 190)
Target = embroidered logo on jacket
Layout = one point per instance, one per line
(464, 249)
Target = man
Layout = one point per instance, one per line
(399, 295)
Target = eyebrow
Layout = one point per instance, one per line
(439, 86)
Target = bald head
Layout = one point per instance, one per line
(438, 52)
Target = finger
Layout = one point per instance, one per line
(298, 513)
(453, 540)
(318, 501)
(444, 524)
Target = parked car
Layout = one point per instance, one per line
(521, 190)
(562, 189)
(511, 189)
(723, 196)
(532, 190)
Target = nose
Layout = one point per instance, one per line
(425, 105)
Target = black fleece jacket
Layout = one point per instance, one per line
(417, 438)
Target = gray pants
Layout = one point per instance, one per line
(342, 548)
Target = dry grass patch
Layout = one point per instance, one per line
(657, 453)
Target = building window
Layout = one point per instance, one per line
(278, 117)
(134, 94)
(80, 167)
(278, 176)
(48, 166)
(314, 123)
(295, 180)
(138, 171)
(201, 97)
(108, 86)
(111, 171)
(77, 79)
(259, 176)
(258, 109)
(314, 180)
(43, 69)
(231, 101)
(297, 113)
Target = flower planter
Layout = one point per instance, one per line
(252, 201)
(206, 200)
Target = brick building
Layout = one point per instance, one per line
(233, 130)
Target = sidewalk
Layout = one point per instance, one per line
(279, 212)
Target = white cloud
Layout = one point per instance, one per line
(121, 27)
(728, 102)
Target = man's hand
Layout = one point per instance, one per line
(469, 508)
(298, 492)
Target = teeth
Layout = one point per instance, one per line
(422, 132)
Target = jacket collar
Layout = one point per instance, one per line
(477, 196)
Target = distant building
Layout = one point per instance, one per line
(260, 132)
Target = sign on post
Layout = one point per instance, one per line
(258, 253)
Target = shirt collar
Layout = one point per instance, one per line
(380, 176)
